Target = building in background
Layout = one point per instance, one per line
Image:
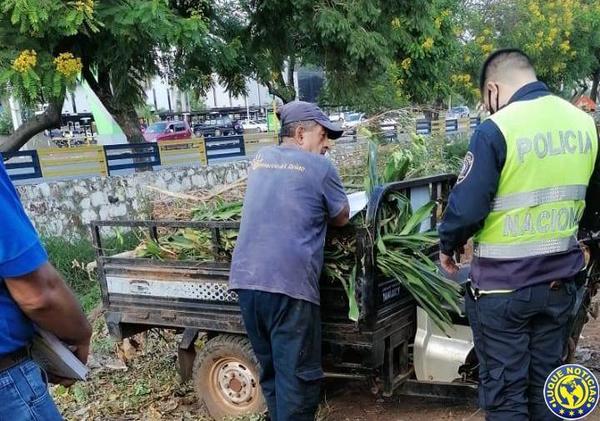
(309, 84)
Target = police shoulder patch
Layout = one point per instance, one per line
(466, 167)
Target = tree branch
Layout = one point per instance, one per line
(49, 119)
(290, 75)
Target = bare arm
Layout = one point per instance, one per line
(342, 218)
(48, 302)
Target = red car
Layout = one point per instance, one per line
(167, 130)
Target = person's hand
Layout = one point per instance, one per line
(448, 263)
(81, 351)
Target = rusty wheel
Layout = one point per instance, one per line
(226, 377)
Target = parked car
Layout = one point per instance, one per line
(336, 118)
(221, 126)
(167, 130)
(458, 112)
(259, 126)
(352, 120)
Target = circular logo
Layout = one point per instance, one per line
(571, 392)
(466, 167)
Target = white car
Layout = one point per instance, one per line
(336, 118)
(352, 120)
(255, 125)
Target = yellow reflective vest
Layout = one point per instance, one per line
(551, 149)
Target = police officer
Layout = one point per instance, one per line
(293, 193)
(520, 194)
(31, 293)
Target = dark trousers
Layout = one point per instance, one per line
(519, 339)
(286, 337)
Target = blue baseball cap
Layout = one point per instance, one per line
(305, 111)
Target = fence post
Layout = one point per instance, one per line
(202, 151)
(37, 167)
(106, 159)
(102, 161)
(242, 146)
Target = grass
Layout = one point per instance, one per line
(71, 259)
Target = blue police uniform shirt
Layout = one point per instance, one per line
(21, 252)
(470, 203)
(291, 195)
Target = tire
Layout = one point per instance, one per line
(225, 377)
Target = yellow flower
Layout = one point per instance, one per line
(68, 65)
(86, 6)
(396, 23)
(427, 44)
(565, 46)
(406, 63)
(26, 61)
(487, 48)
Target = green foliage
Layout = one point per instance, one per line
(71, 259)
(431, 155)
(456, 149)
(115, 46)
(561, 36)
(420, 54)
(42, 27)
(361, 45)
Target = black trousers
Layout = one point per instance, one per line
(286, 337)
(519, 339)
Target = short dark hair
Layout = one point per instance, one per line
(289, 130)
(518, 58)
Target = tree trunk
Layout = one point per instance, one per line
(126, 117)
(281, 87)
(281, 90)
(49, 119)
(129, 123)
(596, 80)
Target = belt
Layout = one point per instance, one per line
(476, 293)
(10, 360)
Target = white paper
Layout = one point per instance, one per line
(358, 201)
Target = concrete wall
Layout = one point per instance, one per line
(65, 208)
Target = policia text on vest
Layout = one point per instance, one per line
(550, 155)
(550, 144)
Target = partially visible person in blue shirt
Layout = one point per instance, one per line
(31, 293)
(293, 193)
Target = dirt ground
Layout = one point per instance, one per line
(147, 388)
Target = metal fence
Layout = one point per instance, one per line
(98, 160)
